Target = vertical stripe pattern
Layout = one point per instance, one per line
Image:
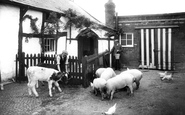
(156, 47)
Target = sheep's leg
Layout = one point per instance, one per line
(29, 89)
(112, 94)
(49, 87)
(57, 85)
(32, 86)
(96, 91)
(102, 94)
(37, 84)
(137, 85)
(2, 88)
(131, 90)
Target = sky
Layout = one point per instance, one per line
(132, 7)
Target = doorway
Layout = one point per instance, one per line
(87, 43)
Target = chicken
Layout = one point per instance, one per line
(111, 110)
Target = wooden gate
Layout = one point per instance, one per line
(81, 71)
(156, 48)
(75, 66)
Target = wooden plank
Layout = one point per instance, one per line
(147, 48)
(164, 48)
(159, 48)
(152, 47)
(169, 48)
(142, 47)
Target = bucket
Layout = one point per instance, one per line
(117, 56)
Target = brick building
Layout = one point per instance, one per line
(156, 41)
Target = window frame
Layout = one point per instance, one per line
(49, 45)
(125, 34)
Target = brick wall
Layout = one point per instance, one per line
(131, 56)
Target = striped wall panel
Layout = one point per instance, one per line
(156, 48)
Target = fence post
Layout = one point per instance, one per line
(21, 66)
(84, 72)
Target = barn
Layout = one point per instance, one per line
(46, 27)
(151, 41)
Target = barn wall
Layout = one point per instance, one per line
(28, 43)
(179, 47)
(9, 26)
(176, 21)
(131, 55)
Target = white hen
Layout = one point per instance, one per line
(161, 75)
(111, 110)
(168, 77)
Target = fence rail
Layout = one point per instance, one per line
(91, 64)
(82, 72)
(75, 66)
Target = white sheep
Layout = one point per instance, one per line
(137, 75)
(118, 82)
(108, 73)
(99, 71)
(35, 74)
(99, 85)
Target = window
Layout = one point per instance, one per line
(127, 40)
(49, 45)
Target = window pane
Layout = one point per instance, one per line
(129, 42)
(123, 37)
(123, 42)
(129, 37)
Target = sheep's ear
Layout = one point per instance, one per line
(54, 76)
(91, 84)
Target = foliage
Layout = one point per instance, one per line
(52, 24)
(32, 23)
(78, 21)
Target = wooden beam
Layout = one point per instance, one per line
(150, 27)
(23, 10)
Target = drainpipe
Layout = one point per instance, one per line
(116, 26)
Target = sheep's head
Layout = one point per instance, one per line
(61, 76)
(56, 76)
(66, 77)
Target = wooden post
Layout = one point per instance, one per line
(42, 37)
(20, 36)
(84, 71)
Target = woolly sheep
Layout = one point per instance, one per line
(99, 71)
(35, 74)
(99, 85)
(108, 73)
(118, 82)
(137, 75)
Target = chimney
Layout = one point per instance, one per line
(110, 14)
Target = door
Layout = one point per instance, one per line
(87, 43)
(156, 48)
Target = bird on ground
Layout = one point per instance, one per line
(161, 75)
(111, 110)
(168, 77)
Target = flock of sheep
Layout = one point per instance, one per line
(107, 82)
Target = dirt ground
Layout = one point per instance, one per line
(154, 97)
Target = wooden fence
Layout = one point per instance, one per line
(91, 64)
(34, 59)
(81, 71)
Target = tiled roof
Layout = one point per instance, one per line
(57, 6)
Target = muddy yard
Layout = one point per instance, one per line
(154, 97)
